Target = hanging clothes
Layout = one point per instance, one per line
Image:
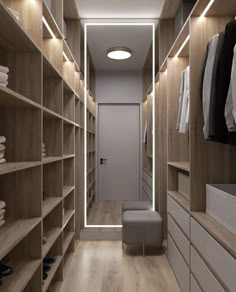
(222, 85)
(184, 105)
(181, 91)
(207, 84)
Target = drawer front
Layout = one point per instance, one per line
(194, 285)
(218, 258)
(179, 238)
(179, 266)
(179, 214)
(147, 190)
(148, 179)
(204, 276)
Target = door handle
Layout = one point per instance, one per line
(103, 161)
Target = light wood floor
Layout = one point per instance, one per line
(105, 213)
(103, 267)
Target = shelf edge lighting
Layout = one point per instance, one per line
(207, 8)
(183, 45)
(119, 53)
(49, 28)
(65, 56)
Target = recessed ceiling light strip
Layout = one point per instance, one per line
(182, 47)
(207, 8)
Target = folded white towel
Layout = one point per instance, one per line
(2, 154)
(4, 69)
(2, 211)
(2, 147)
(2, 222)
(2, 160)
(2, 139)
(2, 204)
(2, 217)
(3, 77)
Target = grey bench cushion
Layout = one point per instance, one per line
(142, 227)
(135, 205)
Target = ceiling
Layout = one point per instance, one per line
(102, 38)
(120, 8)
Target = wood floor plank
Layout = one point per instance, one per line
(103, 267)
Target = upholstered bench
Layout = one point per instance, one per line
(136, 205)
(142, 227)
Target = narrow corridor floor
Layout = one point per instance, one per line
(103, 267)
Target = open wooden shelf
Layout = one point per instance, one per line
(180, 165)
(68, 236)
(49, 204)
(66, 262)
(52, 236)
(56, 286)
(52, 272)
(67, 217)
(13, 232)
(179, 198)
(23, 272)
(51, 21)
(67, 190)
(17, 166)
(47, 160)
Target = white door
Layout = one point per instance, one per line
(118, 152)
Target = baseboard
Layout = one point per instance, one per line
(99, 234)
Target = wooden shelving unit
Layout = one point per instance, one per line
(43, 103)
(90, 153)
(202, 162)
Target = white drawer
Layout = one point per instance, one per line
(194, 285)
(204, 276)
(218, 258)
(179, 266)
(179, 214)
(147, 190)
(148, 179)
(179, 238)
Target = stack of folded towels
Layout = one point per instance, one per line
(2, 149)
(44, 150)
(4, 75)
(2, 212)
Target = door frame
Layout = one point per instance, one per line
(139, 104)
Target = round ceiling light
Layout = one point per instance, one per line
(119, 53)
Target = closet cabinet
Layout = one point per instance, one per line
(186, 161)
(42, 119)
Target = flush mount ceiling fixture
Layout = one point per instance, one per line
(119, 53)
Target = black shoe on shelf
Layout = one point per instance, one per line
(46, 267)
(45, 275)
(49, 260)
(5, 270)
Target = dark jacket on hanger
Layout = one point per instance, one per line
(223, 81)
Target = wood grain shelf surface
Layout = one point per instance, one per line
(148, 172)
(180, 165)
(51, 236)
(13, 232)
(66, 262)
(51, 21)
(51, 159)
(68, 156)
(67, 190)
(17, 166)
(218, 231)
(179, 198)
(12, 99)
(91, 170)
(23, 272)
(56, 286)
(49, 204)
(90, 185)
(67, 217)
(49, 114)
(51, 273)
(17, 38)
(68, 236)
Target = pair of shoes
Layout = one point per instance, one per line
(49, 260)
(5, 270)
